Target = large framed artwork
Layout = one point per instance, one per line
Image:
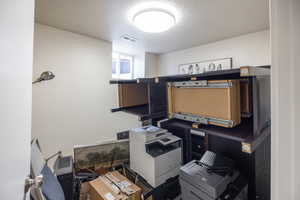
(101, 156)
(205, 66)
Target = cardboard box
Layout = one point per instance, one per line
(127, 187)
(84, 191)
(113, 186)
(219, 103)
(132, 94)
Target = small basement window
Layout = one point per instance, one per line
(122, 66)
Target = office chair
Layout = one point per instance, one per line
(50, 188)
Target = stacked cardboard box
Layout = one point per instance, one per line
(111, 186)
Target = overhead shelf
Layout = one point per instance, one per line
(142, 111)
(128, 81)
(237, 73)
(139, 110)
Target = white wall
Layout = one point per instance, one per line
(74, 107)
(16, 46)
(285, 32)
(151, 65)
(251, 49)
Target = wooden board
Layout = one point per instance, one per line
(246, 98)
(132, 94)
(220, 103)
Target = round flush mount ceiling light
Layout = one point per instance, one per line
(154, 20)
(154, 17)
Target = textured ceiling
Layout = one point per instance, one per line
(201, 21)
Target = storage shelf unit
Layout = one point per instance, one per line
(155, 105)
(248, 143)
(247, 133)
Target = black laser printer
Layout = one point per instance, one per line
(207, 178)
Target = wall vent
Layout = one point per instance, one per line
(128, 38)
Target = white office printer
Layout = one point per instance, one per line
(155, 154)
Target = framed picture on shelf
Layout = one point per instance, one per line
(205, 66)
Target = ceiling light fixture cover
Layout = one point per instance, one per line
(154, 20)
(154, 17)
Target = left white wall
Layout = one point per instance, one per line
(16, 46)
(74, 107)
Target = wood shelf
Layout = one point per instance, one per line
(241, 133)
(134, 81)
(238, 73)
(253, 142)
(142, 111)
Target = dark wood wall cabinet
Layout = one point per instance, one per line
(142, 97)
(225, 111)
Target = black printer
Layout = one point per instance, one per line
(207, 178)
